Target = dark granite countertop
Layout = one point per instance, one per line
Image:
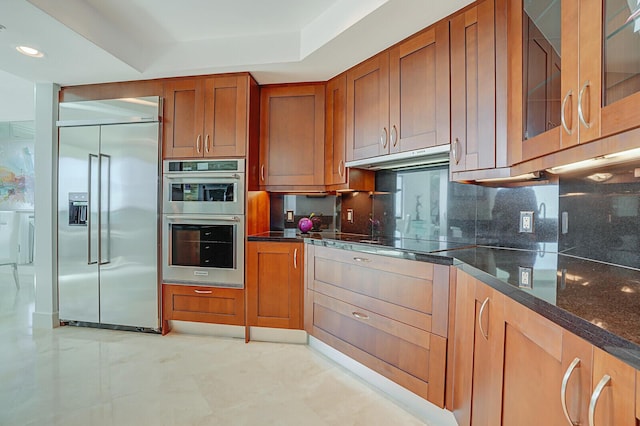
(597, 301)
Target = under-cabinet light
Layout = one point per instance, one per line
(603, 160)
(526, 176)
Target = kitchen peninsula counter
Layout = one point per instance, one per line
(598, 302)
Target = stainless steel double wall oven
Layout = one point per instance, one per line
(203, 222)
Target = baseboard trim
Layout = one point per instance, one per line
(45, 320)
(277, 335)
(419, 407)
(207, 329)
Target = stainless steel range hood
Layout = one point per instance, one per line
(425, 157)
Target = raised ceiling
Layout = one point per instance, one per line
(92, 41)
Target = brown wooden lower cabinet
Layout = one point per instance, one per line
(383, 312)
(511, 366)
(613, 395)
(638, 396)
(202, 304)
(274, 284)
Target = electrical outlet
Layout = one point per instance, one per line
(526, 222)
(350, 215)
(525, 277)
(290, 217)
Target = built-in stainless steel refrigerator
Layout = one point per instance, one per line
(108, 212)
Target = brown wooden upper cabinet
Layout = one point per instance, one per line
(206, 117)
(576, 73)
(335, 133)
(473, 89)
(399, 99)
(336, 175)
(292, 136)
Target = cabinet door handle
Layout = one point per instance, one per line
(580, 111)
(455, 150)
(563, 118)
(383, 137)
(262, 173)
(563, 390)
(295, 259)
(394, 135)
(360, 315)
(595, 396)
(361, 259)
(198, 142)
(484, 305)
(341, 168)
(206, 143)
(203, 291)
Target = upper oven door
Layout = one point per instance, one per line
(203, 193)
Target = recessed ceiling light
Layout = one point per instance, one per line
(30, 51)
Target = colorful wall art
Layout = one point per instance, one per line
(16, 166)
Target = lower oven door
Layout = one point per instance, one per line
(203, 249)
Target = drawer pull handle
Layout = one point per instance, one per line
(203, 291)
(360, 315)
(484, 305)
(361, 259)
(606, 379)
(295, 259)
(563, 390)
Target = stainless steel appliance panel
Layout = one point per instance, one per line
(78, 237)
(129, 225)
(192, 251)
(197, 190)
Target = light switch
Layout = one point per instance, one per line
(350, 215)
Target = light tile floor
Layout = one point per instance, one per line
(82, 376)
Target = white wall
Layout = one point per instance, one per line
(46, 206)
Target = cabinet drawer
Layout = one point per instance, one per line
(407, 355)
(401, 282)
(203, 304)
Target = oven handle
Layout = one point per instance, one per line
(209, 218)
(217, 175)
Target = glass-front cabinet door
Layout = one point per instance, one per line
(543, 65)
(620, 65)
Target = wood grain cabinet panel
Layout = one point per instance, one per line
(206, 117)
(599, 92)
(509, 363)
(183, 118)
(383, 312)
(419, 90)
(473, 89)
(533, 394)
(336, 175)
(292, 136)
(225, 116)
(202, 304)
(638, 395)
(274, 284)
(613, 391)
(368, 108)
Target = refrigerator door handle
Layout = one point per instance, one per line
(91, 253)
(105, 209)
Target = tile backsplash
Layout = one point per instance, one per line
(595, 215)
